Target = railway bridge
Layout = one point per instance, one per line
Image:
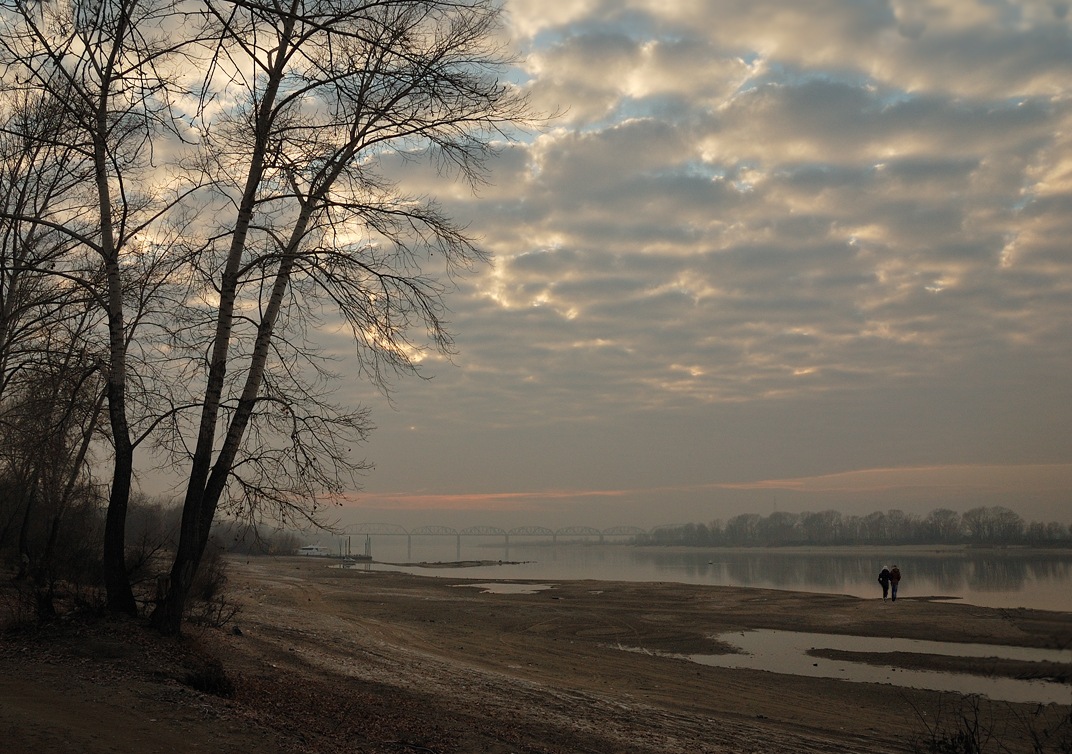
(526, 533)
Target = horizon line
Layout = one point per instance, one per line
(1035, 477)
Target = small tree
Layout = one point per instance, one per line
(821, 528)
(993, 525)
(781, 528)
(47, 428)
(743, 529)
(943, 525)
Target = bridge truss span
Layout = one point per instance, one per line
(585, 533)
(578, 531)
(483, 531)
(529, 531)
(377, 529)
(437, 531)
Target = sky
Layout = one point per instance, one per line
(793, 255)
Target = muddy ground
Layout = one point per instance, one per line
(329, 660)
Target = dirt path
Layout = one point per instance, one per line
(332, 660)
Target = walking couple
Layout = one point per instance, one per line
(889, 578)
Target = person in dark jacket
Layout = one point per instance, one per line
(895, 579)
(884, 580)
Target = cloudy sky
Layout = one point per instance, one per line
(801, 255)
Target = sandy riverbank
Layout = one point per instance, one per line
(333, 660)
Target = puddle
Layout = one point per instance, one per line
(505, 587)
(785, 652)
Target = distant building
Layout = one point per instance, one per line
(315, 551)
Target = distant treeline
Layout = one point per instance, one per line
(982, 526)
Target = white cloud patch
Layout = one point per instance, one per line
(809, 210)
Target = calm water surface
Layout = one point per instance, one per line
(992, 579)
(788, 652)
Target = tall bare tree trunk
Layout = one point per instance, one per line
(116, 579)
(199, 505)
(202, 501)
(120, 596)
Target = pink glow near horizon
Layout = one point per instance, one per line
(998, 478)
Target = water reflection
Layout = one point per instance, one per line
(997, 575)
(927, 574)
(1008, 579)
(507, 587)
(786, 652)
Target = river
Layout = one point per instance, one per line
(994, 578)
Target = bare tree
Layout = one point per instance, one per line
(35, 173)
(743, 528)
(781, 528)
(48, 425)
(302, 105)
(107, 68)
(943, 525)
(822, 527)
(328, 91)
(50, 388)
(993, 525)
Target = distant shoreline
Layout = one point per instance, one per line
(862, 550)
(454, 563)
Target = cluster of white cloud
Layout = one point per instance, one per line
(758, 215)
